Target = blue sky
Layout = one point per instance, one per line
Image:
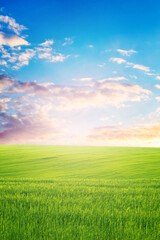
(80, 72)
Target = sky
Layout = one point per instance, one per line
(80, 72)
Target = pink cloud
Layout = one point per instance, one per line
(29, 117)
(5, 82)
(24, 87)
(28, 129)
(117, 133)
(98, 94)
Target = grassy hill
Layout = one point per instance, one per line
(79, 162)
(79, 193)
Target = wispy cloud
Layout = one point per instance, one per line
(44, 55)
(112, 79)
(58, 58)
(101, 65)
(150, 74)
(118, 60)
(133, 76)
(67, 41)
(127, 53)
(129, 64)
(12, 25)
(140, 67)
(47, 43)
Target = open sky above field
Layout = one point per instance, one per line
(80, 72)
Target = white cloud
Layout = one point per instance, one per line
(126, 52)
(44, 55)
(3, 62)
(129, 64)
(90, 46)
(141, 67)
(59, 58)
(16, 56)
(47, 52)
(43, 49)
(157, 86)
(11, 40)
(158, 77)
(47, 43)
(12, 25)
(118, 60)
(22, 58)
(150, 74)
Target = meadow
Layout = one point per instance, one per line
(79, 193)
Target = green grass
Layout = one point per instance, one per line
(79, 193)
(45, 162)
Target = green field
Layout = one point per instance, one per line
(79, 193)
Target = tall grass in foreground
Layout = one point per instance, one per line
(80, 209)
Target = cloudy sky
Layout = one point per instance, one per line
(80, 72)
